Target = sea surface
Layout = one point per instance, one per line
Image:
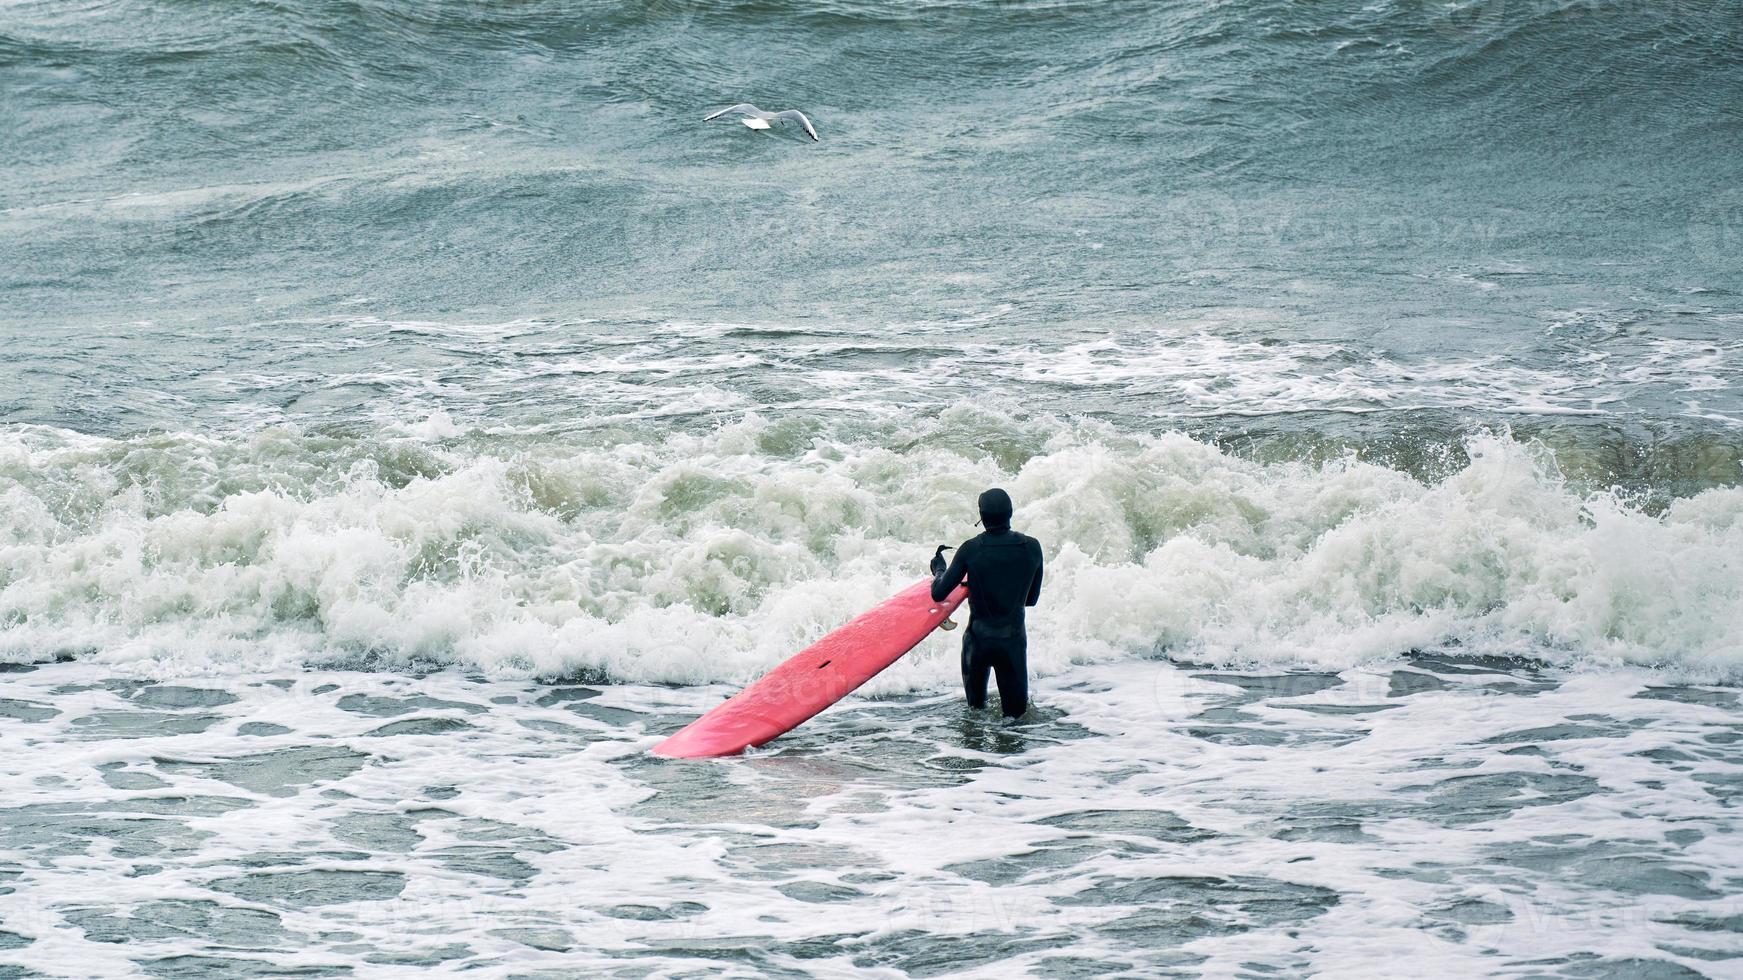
(410, 412)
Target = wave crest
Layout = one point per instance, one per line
(711, 557)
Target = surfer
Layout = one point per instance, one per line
(1003, 568)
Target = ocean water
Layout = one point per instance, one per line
(412, 412)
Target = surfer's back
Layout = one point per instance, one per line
(1003, 568)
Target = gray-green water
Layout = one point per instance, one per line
(409, 411)
(1492, 208)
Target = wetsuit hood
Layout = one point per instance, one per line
(995, 510)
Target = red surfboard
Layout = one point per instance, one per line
(817, 677)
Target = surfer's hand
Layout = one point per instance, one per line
(938, 565)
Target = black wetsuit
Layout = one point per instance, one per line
(1004, 576)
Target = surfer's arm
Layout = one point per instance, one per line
(952, 577)
(1035, 583)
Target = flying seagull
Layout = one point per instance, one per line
(755, 118)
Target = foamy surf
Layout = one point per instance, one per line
(710, 556)
(1440, 815)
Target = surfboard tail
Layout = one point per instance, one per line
(815, 678)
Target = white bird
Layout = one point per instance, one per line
(755, 118)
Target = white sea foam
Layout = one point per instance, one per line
(1216, 375)
(1369, 823)
(710, 557)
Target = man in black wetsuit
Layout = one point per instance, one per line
(1004, 576)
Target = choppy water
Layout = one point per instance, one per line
(1388, 350)
(1447, 816)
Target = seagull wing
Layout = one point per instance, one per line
(743, 107)
(796, 114)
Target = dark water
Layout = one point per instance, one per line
(1352, 168)
(1545, 190)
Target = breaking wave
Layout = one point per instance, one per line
(711, 556)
